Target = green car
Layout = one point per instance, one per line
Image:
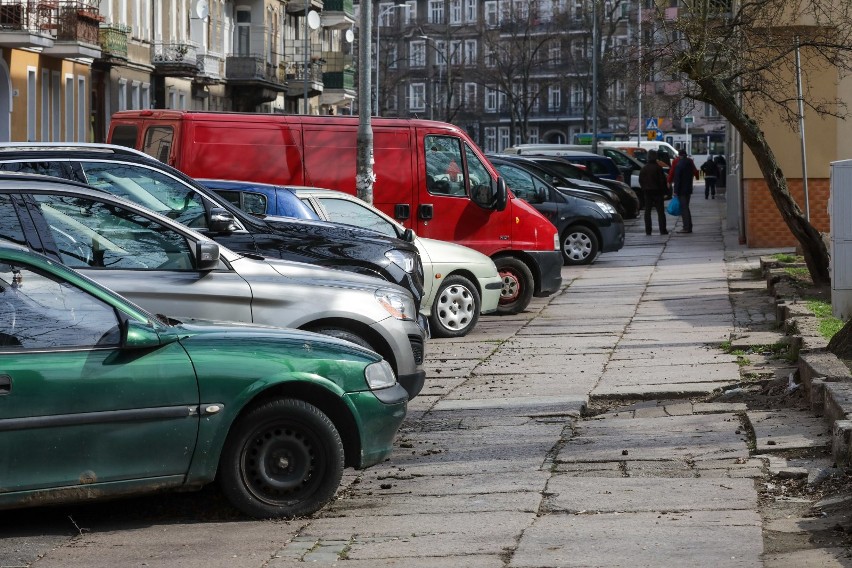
(99, 399)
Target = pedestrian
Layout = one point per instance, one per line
(711, 172)
(652, 180)
(720, 165)
(682, 174)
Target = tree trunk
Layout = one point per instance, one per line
(813, 247)
(841, 343)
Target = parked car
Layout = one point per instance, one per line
(167, 268)
(586, 226)
(572, 167)
(104, 399)
(459, 283)
(627, 164)
(136, 176)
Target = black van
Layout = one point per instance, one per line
(157, 186)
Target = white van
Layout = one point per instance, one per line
(658, 145)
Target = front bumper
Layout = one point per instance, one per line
(549, 265)
(378, 415)
(407, 340)
(612, 235)
(490, 293)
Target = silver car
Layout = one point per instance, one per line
(170, 269)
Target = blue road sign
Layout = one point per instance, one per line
(651, 124)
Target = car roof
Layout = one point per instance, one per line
(70, 147)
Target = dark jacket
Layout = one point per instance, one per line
(652, 178)
(684, 172)
(710, 168)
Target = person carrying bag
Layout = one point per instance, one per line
(652, 180)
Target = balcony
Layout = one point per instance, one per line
(26, 23)
(253, 80)
(77, 29)
(210, 68)
(338, 14)
(338, 87)
(301, 77)
(175, 59)
(113, 41)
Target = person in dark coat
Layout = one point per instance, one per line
(684, 174)
(711, 172)
(720, 165)
(652, 180)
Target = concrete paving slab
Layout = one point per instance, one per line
(390, 481)
(526, 406)
(811, 558)
(719, 407)
(466, 560)
(562, 343)
(378, 504)
(527, 385)
(758, 339)
(416, 535)
(445, 349)
(646, 494)
(439, 385)
(707, 436)
(679, 373)
(642, 540)
(788, 429)
(633, 354)
(647, 392)
(533, 363)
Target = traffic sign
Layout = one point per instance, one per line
(688, 119)
(651, 124)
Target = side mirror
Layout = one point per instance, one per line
(221, 221)
(502, 197)
(206, 255)
(408, 235)
(137, 335)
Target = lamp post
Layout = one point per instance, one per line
(378, 61)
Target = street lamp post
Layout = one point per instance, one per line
(378, 61)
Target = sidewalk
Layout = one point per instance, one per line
(571, 435)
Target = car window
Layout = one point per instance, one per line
(519, 181)
(480, 179)
(39, 312)
(93, 234)
(158, 142)
(151, 189)
(248, 201)
(124, 135)
(444, 173)
(10, 226)
(45, 168)
(564, 170)
(352, 213)
(289, 205)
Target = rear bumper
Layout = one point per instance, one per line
(549, 265)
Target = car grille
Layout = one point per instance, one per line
(416, 348)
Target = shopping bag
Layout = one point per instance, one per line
(673, 208)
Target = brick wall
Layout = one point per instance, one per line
(764, 226)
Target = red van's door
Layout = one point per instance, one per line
(450, 171)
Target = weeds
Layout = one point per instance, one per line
(828, 324)
(785, 257)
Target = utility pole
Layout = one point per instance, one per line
(594, 76)
(365, 177)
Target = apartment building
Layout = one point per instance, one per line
(67, 65)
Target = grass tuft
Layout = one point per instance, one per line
(828, 324)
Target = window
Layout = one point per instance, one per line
(519, 181)
(470, 96)
(456, 53)
(45, 105)
(554, 98)
(56, 105)
(149, 188)
(492, 19)
(441, 53)
(410, 13)
(455, 12)
(490, 56)
(392, 56)
(39, 312)
(89, 233)
(10, 227)
(490, 99)
(444, 173)
(145, 101)
(124, 135)
(82, 115)
(417, 54)
(134, 95)
(480, 178)
(243, 32)
(351, 213)
(249, 201)
(69, 108)
(436, 11)
(490, 139)
(417, 97)
(32, 100)
(470, 11)
(470, 52)
(158, 142)
(710, 111)
(122, 94)
(503, 138)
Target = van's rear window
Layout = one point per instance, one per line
(124, 135)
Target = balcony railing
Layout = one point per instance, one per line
(341, 80)
(23, 15)
(252, 68)
(113, 40)
(175, 59)
(347, 6)
(297, 72)
(78, 22)
(210, 65)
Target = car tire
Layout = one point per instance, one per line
(518, 285)
(579, 245)
(283, 458)
(344, 334)
(455, 310)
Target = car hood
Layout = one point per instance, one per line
(583, 184)
(442, 252)
(334, 231)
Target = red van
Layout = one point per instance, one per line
(429, 176)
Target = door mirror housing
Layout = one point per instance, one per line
(221, 221)
(138, 335)
(206, 255)
(493, 195)
(408, 235)
(502, 197)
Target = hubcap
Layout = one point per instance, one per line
(511, 287)
(578, 246)
(280, 463)
(455, 307)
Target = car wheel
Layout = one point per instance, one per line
(455, 310)
(344, 334)
(518, 284)
(282, 459)
(579, 245)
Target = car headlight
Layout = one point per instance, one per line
(606, 207)
(379, 375)
(406, 260)
(399, 305)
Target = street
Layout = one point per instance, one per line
(573, 434)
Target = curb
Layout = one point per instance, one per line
(827, 381)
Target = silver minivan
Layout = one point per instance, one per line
(170, 269)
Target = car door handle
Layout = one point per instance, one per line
(425, 211)
(5, 384)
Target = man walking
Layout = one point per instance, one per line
(684, 173)
(652, 180)
(711, 172)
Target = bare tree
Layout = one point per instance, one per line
(739, 56)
